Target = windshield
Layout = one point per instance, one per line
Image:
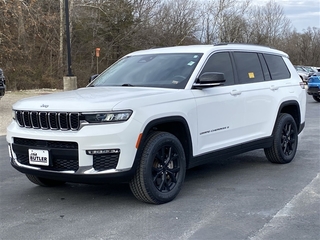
(152, 70)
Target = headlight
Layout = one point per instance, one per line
(107, 117)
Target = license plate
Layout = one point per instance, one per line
(39, 157)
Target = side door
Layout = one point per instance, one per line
(259, 93)
(220, 109)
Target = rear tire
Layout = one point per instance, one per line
(316, 98)
(285, 140)
(161, 170)
(44, 182)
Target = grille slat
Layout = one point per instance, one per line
(53, 120)
(44, 120)
(48, 120)
(34, 119)
(26, 119)
(63, 121)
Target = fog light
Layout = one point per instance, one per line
(102, 151)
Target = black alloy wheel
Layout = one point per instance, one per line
(285, 140)
(288, 139)
(161, 172)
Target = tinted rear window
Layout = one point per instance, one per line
(277, 67)
(248, 67)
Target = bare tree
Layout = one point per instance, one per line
(61, 34)
(30, 40)
(267, 23)
(175, 22)
(32, 33)
(234, 26)
(211, 19)
(303, 47)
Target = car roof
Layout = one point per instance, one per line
(206, 49)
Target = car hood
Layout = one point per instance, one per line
(90, 99)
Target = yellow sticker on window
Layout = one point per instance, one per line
(251, 75)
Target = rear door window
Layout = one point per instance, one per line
(248, 67)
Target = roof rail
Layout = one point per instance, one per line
(227, 43)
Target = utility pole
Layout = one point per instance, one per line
(68, 37)
(69, 81)
(60, 61)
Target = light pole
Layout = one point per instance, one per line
(69, 81)
(68, 37)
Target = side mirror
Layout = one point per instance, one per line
(93, 77)
(209, 79)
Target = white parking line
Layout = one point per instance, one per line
(284, 215)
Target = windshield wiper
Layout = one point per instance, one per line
(127, 85)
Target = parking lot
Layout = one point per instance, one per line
(243, 197)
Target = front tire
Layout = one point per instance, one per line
(285, 140)
(161, 170)
(316, 98)
(44, 182)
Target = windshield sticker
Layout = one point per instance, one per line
(146, 59)
(251, 74)
(195, 56)
(191, 63)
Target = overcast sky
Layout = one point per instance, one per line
(303, 14)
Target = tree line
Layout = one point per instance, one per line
(33, 43)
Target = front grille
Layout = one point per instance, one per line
(48, 120)
(103, 162)
(63, 155)
(56, 165)
(44, 143)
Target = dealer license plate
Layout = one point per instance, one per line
(39, 157)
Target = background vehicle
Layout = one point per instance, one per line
(314, 86)
(310, 70)
(2, 83)
(304, 75)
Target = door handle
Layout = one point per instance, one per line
(235, 92)
(273, 87)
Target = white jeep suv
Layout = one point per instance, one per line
(155, 113)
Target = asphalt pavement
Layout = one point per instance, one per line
(243, 197)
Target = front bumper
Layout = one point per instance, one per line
(115, 177)
(69, 159)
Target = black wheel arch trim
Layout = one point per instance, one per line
(152, 125)
(296, 115)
